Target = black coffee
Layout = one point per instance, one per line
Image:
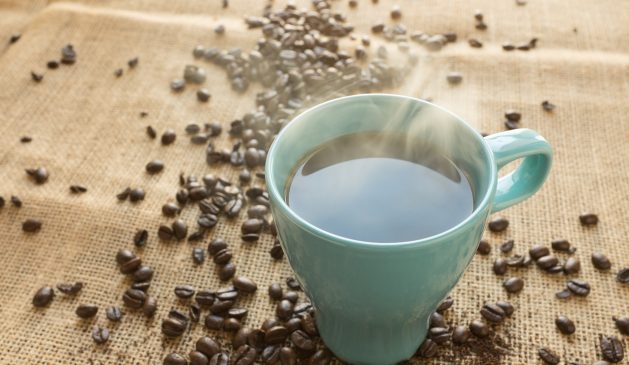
(378, 187)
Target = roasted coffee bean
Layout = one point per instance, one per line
(154, 166)
(622, 324)
(229, 293)
(150, 307)
(168, 137)
(70, 288)
(204, 298)
(474, 43)
(184, 291)
(275, 291)
(43, 296)
(396, 12)
(253, 225)
(507, 246)
(140, 238)
(207, 221)
(100, 335)
(123, 195)
(14, 38)
(203, 95)
(454, 78)
(284, 309)
(132, 63)
(134, 298)
(563, 294)
(192, 128)
(68, 55)
(548, 106)
(194, 74)
(560, 245)
(177, 85)
(445, 305)
(623, 276)
(600, 261)
(439, 334)
(244, 355)
(144, 286)
(291, 296)
(572, 266)
(302, 340)
(479, 328)
(255, 338)
(555, 269)
(175, 359)
(131, 265)
(180, 229)
(182, 196)
(500, 266)
(250, 237)
(276, 252)
(177, 314)
(461, 335)
(231, 325)
(506, 307)
(233, 208)
(136, 194)
(77, 189)
(17, 202)
(588, 219)
(498, 224)
(221, 306)
(143, 273)
(245, 284)
(276, 335)
(165, 233)
(270, 354)
(173, 327)
(31, 225)
(427, 349)
(214, 322)
(321, 357)
(538, 251)
(548, 356)
(238, 313)
(86, 310)
(198, 358)
(37, 77)
(226, 271)
(151, 132)
(198, 255)
(113, 314)
(513, 115)
(293, 324)
(437, 320)
(492, 313)
(288, 356)
(612, 349)
(207, 346)
(484, 248)
(220, 359)
(216, 245)
(547, 262)
(516, 261)
(565, 325)
(292, 283)
(118, 72)
(579, 287)
(513, 285)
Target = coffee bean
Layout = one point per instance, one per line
(70, 288)
(454, 78)
(214, 322)
(170, 209)
(538, 251)
(39, 175)
(244, 355)
(150, 307)
(245, 284)
(14, 38)
(555, 269)
(396, 12)
(165, 233)
(563, 294)
(292, 283)
(275, 291)
(144, 286)
(612, 349)
(132, 63)
(293, 325)
(154, 166)
(31, 225)
(198, 358)
(68, 55)
(194, 74)
(276, 252)
(131, 265)
(579, 287)
(77, 189)
(565, 325)
(140, 238)
(134, 298)
(118, 72)
(513, 115)
(513, 285)
(151, 132)
(123, 195)
(284, 309)
(113, 314)
(291, 296)
(560, 245)
(276, 335)
(180, 229)
(207, 346)
(184, 291)
(37, 77)
(136, 194)
(229, 293)
(492, 313)
(622, 324)
(43, 296)
(17, 202)
(548, 356)
(100, 335)
(168, 137)
(220, 358)
(86, 310)
(302, 340)
(175, 359)
(231, 325)
(572, 266)
(198, 193)
(321, 357)
(600, 261)
(173, 327)
(439, 335)
(238, 313)
(548, 106)
(198, 255)
(547, 262)
(203, 95)
(509, 125)
(204, 298)
(588, 219)
(623, 276)
(506, 246)
(221, 306)
(484, 248)
(461, 335)
(270, 354)
(143, 273)
(216, 245)
(226, 271)
(427, 349)
(437, 320)
(177, 85)
(288, 356)
(498, 224)
(255, 338)
(445, 305)
(500, 266)
(474, 43)
(252, 226)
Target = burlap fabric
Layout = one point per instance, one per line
(86, 130)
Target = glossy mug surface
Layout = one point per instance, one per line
(373, 300)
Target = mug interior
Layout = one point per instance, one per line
(420, 121)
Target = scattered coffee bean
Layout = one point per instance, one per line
(231, 325)
(150, 307)
(154, 166)
(39, 175)
(136, 194)
(198, 255)
(507, 246)
(77, 189)
(173, 327)
(100, 335)
(484, 248)
(226, 271)
(70, 288)
(37, 77)
(492, 313)
(622, 324)
(131, 265)
(276, 252)
(572, 266)
(513, 285)
(547, 262)
(579, 287)
(445, 305)
(563, 294)
(43, 297)
(454, 78)
(284, 309)
(184, 291)
(151, 132)
(612, 349)
(513, 115)
(203, 95)
(245, 284)
(170, 209)
(500, 266)
(548, 106)
(244, 355)
(396, 12)
(14, 38)
(16, 201)
(506, 307)
(565, 325)
(168, 137)
(207, 346)
(214, 322)
(68, 55)
(623, 276)
(600, 261)
(132, 63)
(508, 47)
(548, 356)
(26, 139)
(439, 335)
(134, 298)
(560, 245)
(180, 229)
(302, 340)
(175, 359)
(194, 74)
(140, 238)
(479, 328)
(220, 358)
(143, 273)
(538, 251)
(498, 224)
(437, 320)
(31, 225)
(474, 43)
(86, 310)
(198, 358)
(461, 335)
(124, 255)
(118, 72)
(113, 314)
(292, 283)
(588, 219)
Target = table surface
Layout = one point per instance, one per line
(86, 130)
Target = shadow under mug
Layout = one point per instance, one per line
(373, 300)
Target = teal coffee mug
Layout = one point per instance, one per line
(373, 300)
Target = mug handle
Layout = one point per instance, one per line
(530, 175)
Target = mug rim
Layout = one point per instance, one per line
(331, 237)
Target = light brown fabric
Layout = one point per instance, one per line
(86, 130)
